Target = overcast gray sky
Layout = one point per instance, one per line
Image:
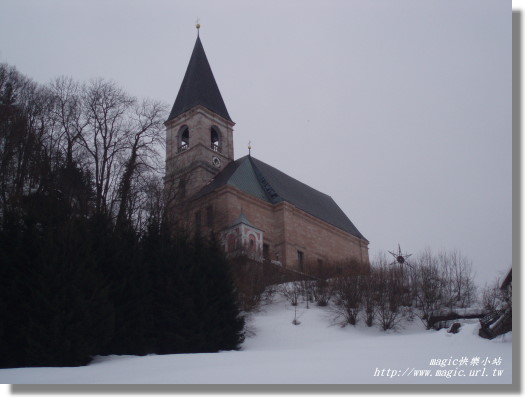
(400, 110)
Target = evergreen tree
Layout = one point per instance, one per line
(130, 290)
(220, 323)
(194, 305)
(57, 303)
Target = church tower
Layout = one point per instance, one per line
(256, 210)
(199, 139)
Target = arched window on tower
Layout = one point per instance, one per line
(215, 138)
(184, 139)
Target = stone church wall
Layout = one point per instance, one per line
(286, 229)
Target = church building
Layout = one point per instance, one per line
(254, 208)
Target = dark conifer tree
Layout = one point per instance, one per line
(58, 302)
(194, 305)
(220, 323)
(130, 291)
(17, 249)
(170, 326)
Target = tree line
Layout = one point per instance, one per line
(89, 262)
(389, 294)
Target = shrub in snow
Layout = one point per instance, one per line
(292, 291)
(439, 282)
(454, 329)
(322, 292)
(389, 309)
(347, 302)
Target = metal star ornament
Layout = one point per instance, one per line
(400, 258)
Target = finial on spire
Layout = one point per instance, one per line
(249, 147)
(197, 25)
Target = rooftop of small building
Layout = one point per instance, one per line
(242, 219)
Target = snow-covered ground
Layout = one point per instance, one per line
(314, 352)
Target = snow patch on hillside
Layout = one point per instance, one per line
(314, 352)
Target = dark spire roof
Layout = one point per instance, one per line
(262, 181)
(199, 87)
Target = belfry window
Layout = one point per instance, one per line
(184, 140)
(215, 139)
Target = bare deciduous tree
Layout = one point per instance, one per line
(347, 298)
(492, 296)
(143, 144)
(67, 113)
(106, 109)
(429, 287)
(390, 286)
(460, 277)
(118, 138)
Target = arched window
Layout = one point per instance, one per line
(231, 242)
(184, 139)
(252, 242)
(215, 139)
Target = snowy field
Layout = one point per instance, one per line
(314, 352)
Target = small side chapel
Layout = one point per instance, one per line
(254, 208)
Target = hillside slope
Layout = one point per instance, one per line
(314, 352)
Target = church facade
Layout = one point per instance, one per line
(255, 209)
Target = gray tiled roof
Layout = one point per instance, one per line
(242, 219)
(199, 87)
(262, 181)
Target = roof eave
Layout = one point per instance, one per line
(187, 113)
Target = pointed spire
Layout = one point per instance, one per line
(199, 87)
(242, 219)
